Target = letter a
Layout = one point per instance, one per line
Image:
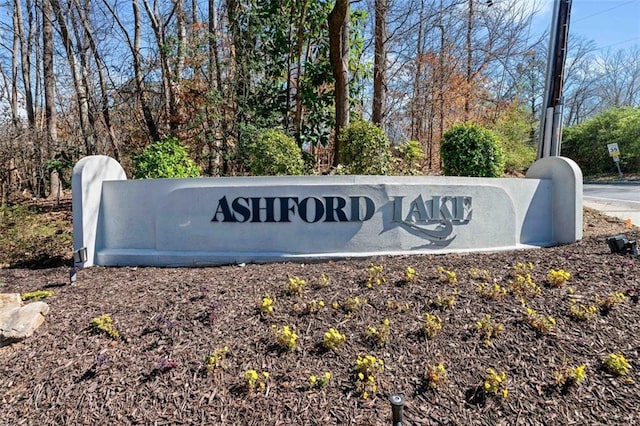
(223, 208)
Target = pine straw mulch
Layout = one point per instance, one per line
(170, 320)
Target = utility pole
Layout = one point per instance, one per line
(551, 113)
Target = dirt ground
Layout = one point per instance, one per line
(170, 320)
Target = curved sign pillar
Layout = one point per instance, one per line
(211, 221)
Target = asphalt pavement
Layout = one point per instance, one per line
(620, 199)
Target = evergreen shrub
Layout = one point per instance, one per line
(166, 158)
(471, 150)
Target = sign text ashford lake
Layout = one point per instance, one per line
(417, 215)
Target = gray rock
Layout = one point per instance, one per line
(17, 322)
(10, 300)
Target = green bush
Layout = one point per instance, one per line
(272, 152)
(410, 155)
(471, 150)
(166, 158)
(515, 129)
(586, 143)
(365, 150)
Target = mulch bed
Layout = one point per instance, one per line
(170, 320)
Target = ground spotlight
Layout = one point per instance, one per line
(79, 257)
(619, 244)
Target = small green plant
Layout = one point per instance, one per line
(285, 337)
(379, 335)
(495, 383)
(410, 275)
(444, 301)
(616, 364)
(350, 304)
(333, 339)
(376, 275)
(432, 325)
(319, 381)
(436, 375)
(104, 324)
(167, 158)
(323, 280)
(480, 274)
(255, 380)
(447, 276)
(558, 278)
(582, 312)
(38, 294)
(217, 359)
(610, 301)
(367, 367)
(523, 285)
(569, 376)
(296, 285)
(488, 329)
(397, 306)
(311, 307)
(266, 307)
(540, 323)
(522, 268)
(488, 291)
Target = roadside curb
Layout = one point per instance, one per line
(612, 182)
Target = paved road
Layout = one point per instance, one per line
(618, 200)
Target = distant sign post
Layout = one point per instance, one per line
(614, 152)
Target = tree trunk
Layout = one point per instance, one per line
(215, 75)
(467, 97)
(25, 52)
(339, 58)
(51, 117)
(14, 72)
(380, 62)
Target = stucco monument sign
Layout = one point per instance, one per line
(210, 221)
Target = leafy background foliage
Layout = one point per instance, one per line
(586, 143)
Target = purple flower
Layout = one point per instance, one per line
(165, 364)
(101, 360)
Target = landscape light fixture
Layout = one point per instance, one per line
(619, 244)
(397, 403)
(79, 257)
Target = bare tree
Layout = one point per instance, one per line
(619, 78)
(87, 32)
(79, 81)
